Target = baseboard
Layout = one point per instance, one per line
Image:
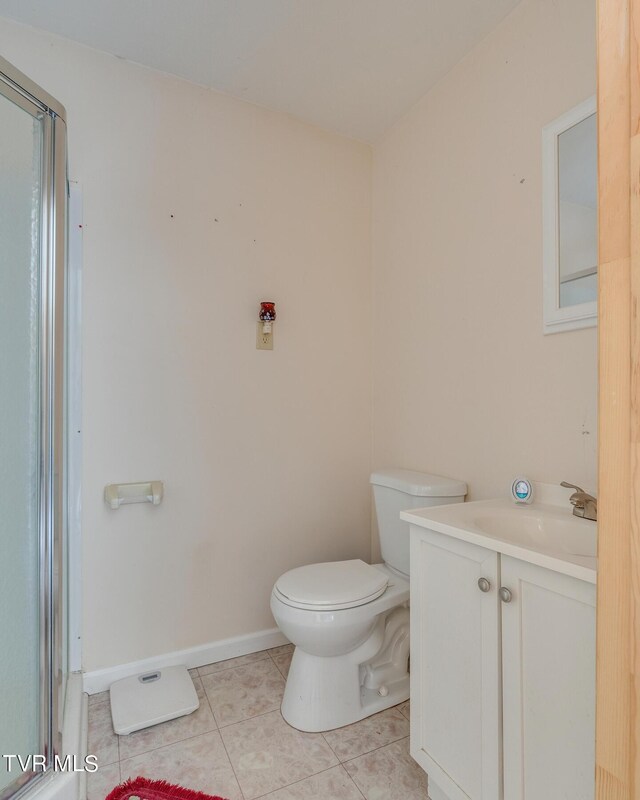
(101, 679)
(435, 793)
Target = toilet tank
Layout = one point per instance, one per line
(396, 490)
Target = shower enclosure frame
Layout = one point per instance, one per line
(19, 89)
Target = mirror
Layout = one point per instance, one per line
(570, 220)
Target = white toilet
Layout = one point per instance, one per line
(349, 620)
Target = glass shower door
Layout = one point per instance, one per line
(20, 231)
(29, 510)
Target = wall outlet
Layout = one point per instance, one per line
(264, 341)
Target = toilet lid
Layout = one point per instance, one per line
(331, 586)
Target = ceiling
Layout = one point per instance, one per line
(350, 66)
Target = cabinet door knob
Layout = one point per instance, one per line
(505, 594)
(484, 585)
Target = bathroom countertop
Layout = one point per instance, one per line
(544, 534)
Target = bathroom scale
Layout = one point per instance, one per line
(152, 697)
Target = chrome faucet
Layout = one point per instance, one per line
(584, 505)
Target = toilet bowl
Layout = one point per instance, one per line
(349, 621)
(337, 645)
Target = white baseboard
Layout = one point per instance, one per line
(100, 680)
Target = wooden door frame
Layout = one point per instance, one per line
(618, 605)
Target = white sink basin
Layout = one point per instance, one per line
(544, 534)
(541, 528)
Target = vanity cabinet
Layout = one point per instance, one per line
(502, 688)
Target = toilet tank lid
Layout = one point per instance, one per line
(419, 484)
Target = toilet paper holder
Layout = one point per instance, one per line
(119, 494)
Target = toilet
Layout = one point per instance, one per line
(349, 621)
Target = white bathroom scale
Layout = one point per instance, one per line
(152, 697)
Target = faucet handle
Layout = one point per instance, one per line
(584, 504)
(572, 486)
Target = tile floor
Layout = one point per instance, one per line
(238, 746)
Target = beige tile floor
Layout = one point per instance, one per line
(238, 746)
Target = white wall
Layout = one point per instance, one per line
(196, 207)
(465, 383)
(266, 455)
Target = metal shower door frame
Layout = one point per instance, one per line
(19, 89)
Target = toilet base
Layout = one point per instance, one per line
(323, 693)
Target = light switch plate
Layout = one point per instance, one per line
(264, 341)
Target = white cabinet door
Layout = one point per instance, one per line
(455, 666)
(548, 663)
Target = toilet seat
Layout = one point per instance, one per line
(331, 586)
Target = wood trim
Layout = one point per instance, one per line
(634, 465)
(618, 607)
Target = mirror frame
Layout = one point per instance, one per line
(555, 317)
